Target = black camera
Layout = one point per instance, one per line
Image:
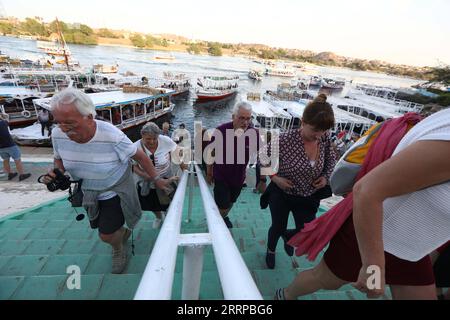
(63, 182)
(60, 182)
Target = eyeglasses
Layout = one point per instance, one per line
(68, 126)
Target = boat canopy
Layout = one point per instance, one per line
(18, 92)
(112, 98)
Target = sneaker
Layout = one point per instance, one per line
(12, 175)
(119, 260)
(228, 222)
(289, 249)
(279, 294)
(270, 259)
(24, 176)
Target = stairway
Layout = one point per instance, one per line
(37, 246)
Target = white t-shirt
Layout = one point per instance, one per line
(100, 162)
(161, 156)
(417, 223)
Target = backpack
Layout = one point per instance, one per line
(344, 174)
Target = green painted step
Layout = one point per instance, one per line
(37, 245)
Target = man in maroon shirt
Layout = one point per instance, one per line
(234, 142)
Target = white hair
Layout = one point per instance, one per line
(71, 96)
(242, 105)
(150, 128)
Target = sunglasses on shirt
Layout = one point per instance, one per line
(152, 157)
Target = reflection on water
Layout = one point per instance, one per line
(211, 113)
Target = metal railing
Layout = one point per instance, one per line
(157, 280)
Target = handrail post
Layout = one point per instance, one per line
(235, 278)
(192, 272)
(157, 280)
(191, 192)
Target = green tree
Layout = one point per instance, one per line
(6, 28)
(62, 25)
(215, 49)
(85, 29)
(150, 41)
(106, 33)
(253, 50)
(78, 37)
(137, 40)
(267, 54)
(280, 53)
(33, 27)
(193, 48)
(441, 74)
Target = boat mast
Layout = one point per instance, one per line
(63, 42)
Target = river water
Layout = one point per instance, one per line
(141, 62)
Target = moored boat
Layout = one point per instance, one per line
(211, 88)
(101, 68)
(255, 75)
(315, 81)
(128, 109)
(17, 104)
(280, 71)
(180, 83)
(336, 83)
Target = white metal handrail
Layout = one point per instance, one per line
(235, 278)
(157, 280)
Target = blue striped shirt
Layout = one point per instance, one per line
(101, 162)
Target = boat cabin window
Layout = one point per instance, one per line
(127, 113)
(104, 115)
(140, 109)
(158, 103)
(28, 103)
(15, 105)
(149, 106)
(165, 102)
(11, 105)
(116, 119)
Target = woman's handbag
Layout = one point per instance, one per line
(264, 200)
(166, 197)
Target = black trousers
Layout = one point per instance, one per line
(258, 174)
(46, 125)
(304, 210)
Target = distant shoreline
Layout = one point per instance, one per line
(104, 42)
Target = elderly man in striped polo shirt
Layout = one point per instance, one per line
(99, 154)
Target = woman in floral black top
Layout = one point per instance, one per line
(306, 161)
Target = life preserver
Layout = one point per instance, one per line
(26, 113)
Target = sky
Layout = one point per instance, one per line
(412, 32)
